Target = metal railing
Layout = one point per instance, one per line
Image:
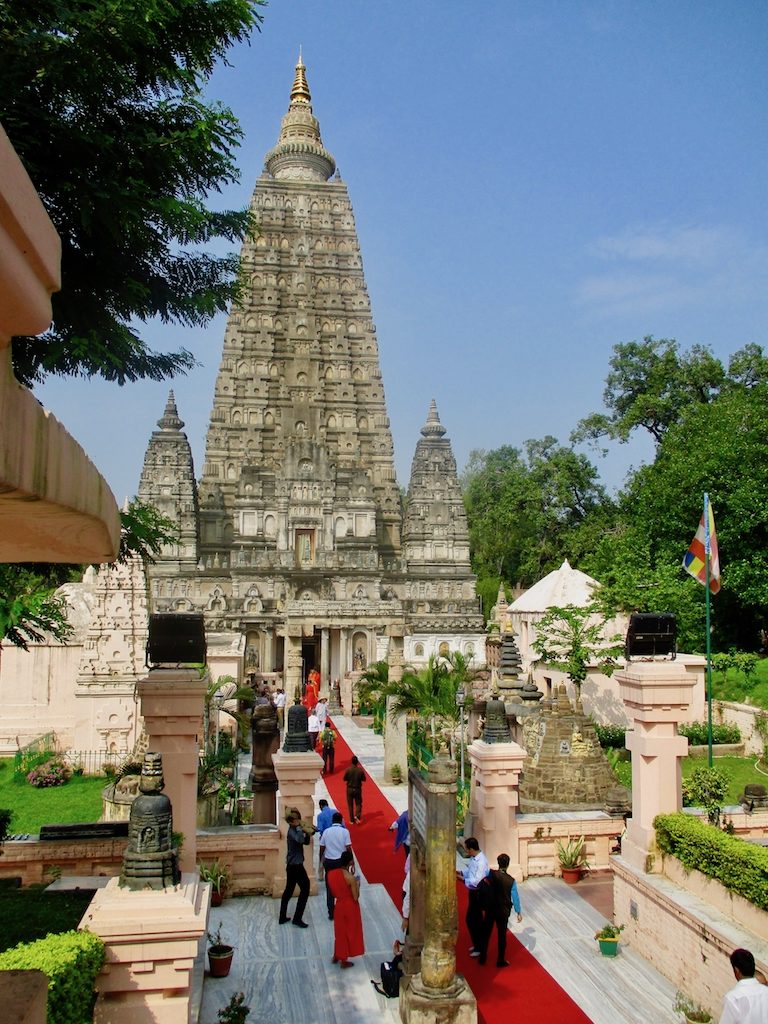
(92, 762)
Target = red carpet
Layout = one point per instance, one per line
(524, 992)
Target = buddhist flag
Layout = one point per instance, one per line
(704, 541)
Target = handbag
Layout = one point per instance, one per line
(391, 973)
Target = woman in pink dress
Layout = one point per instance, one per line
(347, 922)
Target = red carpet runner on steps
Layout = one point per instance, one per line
(520, 994)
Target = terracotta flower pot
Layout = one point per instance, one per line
(220, 960)
(571, 875)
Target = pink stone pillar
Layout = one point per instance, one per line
(494, 799)
(658, 695)
(297, 776)
(152, 940)
(172, 702)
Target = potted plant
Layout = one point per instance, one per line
(572, 857)
(218, 875)
(693, 1012)
(608, 938)
(235, 1012)
(397, 774)
(219, 954)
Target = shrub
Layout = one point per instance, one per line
(697, 733)
(52, 773)
(706, 787)
(740, 866)
(612, 736)
(71, 961)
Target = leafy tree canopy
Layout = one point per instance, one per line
(652, 382)
(524, 510)
(102, 101)
(573, 639)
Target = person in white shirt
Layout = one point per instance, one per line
(279, 702)
(321, 710)
(334, 841)
(747, 1001)
(313, 728)
(475, 870)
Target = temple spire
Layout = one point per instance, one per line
(433, 427)
(299, 154)
(170, 419)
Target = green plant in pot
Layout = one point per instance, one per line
(218, 875)
(692, 1011)
(220, 954)
(572, 856)
(608, 938)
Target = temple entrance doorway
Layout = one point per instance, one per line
(310, 657)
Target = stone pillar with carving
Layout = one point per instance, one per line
(172, 702)
(658, 695)
(265, 741)
(292, 664)
(438, 993)
(325, 660)
(395, 731)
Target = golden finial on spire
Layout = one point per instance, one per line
(300, 90)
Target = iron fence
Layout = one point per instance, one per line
(93, 762)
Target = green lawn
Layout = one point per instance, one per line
(733, 686)
(30, 914)
(740, 771)
(79, 800)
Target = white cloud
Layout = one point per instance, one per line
(668, 268)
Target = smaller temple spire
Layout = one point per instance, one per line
(170, 419)
(433, 427)
(299, 153)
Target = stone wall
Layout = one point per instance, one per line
(685, 937)
(253, 854)
(742, 715)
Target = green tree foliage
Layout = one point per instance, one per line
(651, 384)
(573, 640)
(720, 447)
(527, 512)
(102, 101)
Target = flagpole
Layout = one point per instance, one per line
(709, 637)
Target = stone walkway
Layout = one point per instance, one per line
(287, 976)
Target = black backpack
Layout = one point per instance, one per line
(391, 973)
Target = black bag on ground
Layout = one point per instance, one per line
(391, 973)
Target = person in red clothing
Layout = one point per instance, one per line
(347, 921)
(312, 690)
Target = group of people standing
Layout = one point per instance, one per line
(338, 868)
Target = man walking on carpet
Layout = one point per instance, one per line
(328, 743)
(500, 896)
(475, 870)
(354, 777)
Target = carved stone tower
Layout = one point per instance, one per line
(299, 506)
(168, 483)
(440, 598)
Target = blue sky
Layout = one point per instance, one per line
(532, 181)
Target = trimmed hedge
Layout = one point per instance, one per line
(740, 866)
(71, 960)
(697, 733)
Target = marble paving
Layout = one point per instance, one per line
(287, 975)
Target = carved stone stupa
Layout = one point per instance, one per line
(150, 861)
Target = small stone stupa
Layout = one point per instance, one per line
(566, 768)
(150, 861)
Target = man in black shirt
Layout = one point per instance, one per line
(295, 872)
